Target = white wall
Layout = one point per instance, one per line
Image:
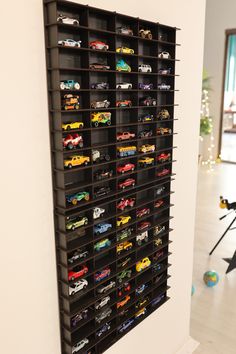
(29, 312)
(220, 15)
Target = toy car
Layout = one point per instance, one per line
(142, 302)
(124, 274)
(102, 274)
(124, 288)
(98, 45)
(163, 114)
(72, 125)
(74, 223)
(100, 245)
(145, 68)
(164, 55)
(164, 172)
(69, 43)
(97, 156)
(157, 267)
(146, 118)
(123, 302)
(126, 183)
(101, 228)
(122, 220)
(104, 288)
(163, 86)
(78, 254)
(158, 255)
(103, 302)
(157, 299)
(120, 136)
(121, 65)
(160, 190)
(145, 33)
(70, 102)
(124, 85)
(125, 202)
(101, 316)
(100, 86)
(125, 167)
(143, 264)
(98, 212)
(77, 197)
(100, 104)
(124, 50)
(164, 71)
(78, 286)
(67, 20)
(124, 30)
(123, 103)
(123, 246)
(103, 174)
(140, 313)
(101, 191)
(99, 66)
(101, 118)
(148, 101)
(158, 203)
(124, 151)
(76, 160)
(146, 161)
(142, 86)
(72, 141)
(72, 275)
(140, 289)
(144, 225)
(77, 347)
(158, 242)
(69, 85)
(163, 130)
(141, 212)
(125, 325)
(142, 237)
(106, 327)
(124, 234)
(124, 262)
(147, 148)
(83, 315)
(163, 157)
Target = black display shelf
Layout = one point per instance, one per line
(132, 257)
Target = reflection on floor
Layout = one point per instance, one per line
(228, 148)
(213, 320)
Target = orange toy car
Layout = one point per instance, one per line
(123, 302)
(123, 103)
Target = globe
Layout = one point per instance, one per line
(211, 278)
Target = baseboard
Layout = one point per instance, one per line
(189, 347)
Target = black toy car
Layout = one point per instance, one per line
(101, 191)
(103, 174)
(100, 86)
(145, 133)
(78, 254)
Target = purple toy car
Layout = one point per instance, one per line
(142, 86)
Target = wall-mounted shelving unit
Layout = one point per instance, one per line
(98, 178)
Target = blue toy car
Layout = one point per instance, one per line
(157, 299)
(69, 85)
(125, 325)
(140, 289)
(103, 329)
(102, 244)
(101, 228)
(121, 65)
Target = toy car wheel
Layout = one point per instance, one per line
(170, 131)
(62, 86)
(59, 20)
(96, 124)
(86, 197)
(130, 87)
(73, 293)
(148, 70)
(86, 162)
(75, 23)
(70, 146)
(72, 278)
(140, 70)
(77, 86)
(108, 122)
(133, 184)
(74, 201)
(76, 106)
(93, 47)
(147, 103)
(129, 70)
(63, 43)
(119, 87)
(68, 127)
(86, 223)
(132, 169)
(143, 35)
(106, 105)
(154, 103)
(149, 36)
(73, 227)
(81, 145)
(69, 166)
(139, 243)
(129, 105)
(65, 108)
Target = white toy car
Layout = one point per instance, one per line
(68, 20)
(77, 286)
(164, 55)
(69, 43)
(142, 237)
(103, 302)
(145, 68)
(79, 345)
(163, 86)
(124, 85)
(98, 212)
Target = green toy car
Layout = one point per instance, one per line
(74, 223)
(77, 197)
(125, 274)
(100, 245)
(121, 65)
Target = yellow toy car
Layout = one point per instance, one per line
(124, 50)
(72, 125)
(76, 160)
(124, 246)
(143, 264)
(122, 220)
(147, 148)
(146, 161)
(101, 118)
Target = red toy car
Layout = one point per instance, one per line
(123, 103)
(164, 172)
(142, 212)
(125, 202)
(72, 275)
(72, 141)
(159, 203)
(163, 157)
(144, 225)
(100, 275)
(98, 45)
(126, 183)
(123, 289)
(124, 136)
(126, 168)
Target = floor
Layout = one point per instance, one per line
(228, 147)
(213, 320)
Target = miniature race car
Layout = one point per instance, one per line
(145, 68)
(97, 156)
(101, 228)
(127, 167)
(123, 246)
(124, 203)
(146, 161)
(102, 274)
(69, 43)
(124, 50)
(140, 313)
(103, 174)
(163, 114)
(78, 254)
(124, 262)
(163, 130)
(83, 315)
(106, 327)
(157, 299)
(100, 86)
(77, 347)
(164, 71)
(102, 244)
(99, 66)
(101, 191)
(124, 234)
(104, 288)
(145, 33)
(125, 325)
(143, 237)
(72, 275)
(141, 212)
(143, 264)
(126, 183)
(101, 316)
(78, 286)
(158, 203)
(121, 65)
(98, 212)
(124, 288)
(164, 55)
(101, 118)
(146, 118)
(72, 125)
(103, 302)
(124, 136)
(76, 222)
(67, 20)
(145, 133)
(124, 30)
(142, 86)
(70, 102)
(72, 141)
(100, 104)
(163, 157)
(160, 190)
(148, 101)
(69, 85)
(163, 87)
(164, 172)
(124, 274)
(76, 160)
(141, 289)
(123, 302)
(144, 225)
(124, 85)
(77, 197)
(98, 45)
(122, 220)
(147, 148)
(123, 103)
